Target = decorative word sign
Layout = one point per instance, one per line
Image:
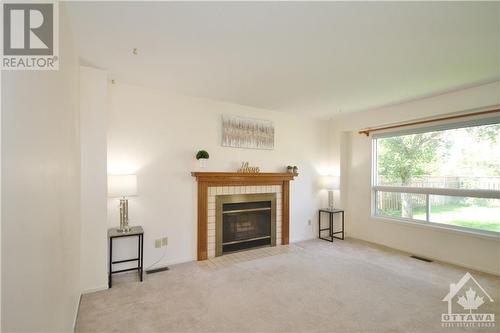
(245, 168)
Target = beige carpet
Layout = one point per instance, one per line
(312, 286)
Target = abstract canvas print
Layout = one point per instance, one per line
(251, 133)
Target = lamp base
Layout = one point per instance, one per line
(330, 200)
(125, 229)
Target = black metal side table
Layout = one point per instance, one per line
(113, 233)
(331, 234)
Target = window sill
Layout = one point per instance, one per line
(439, 227)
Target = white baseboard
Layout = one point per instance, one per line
(449, 262)
(75, 317)
(94, 289)
(171, 262)
(303, 239)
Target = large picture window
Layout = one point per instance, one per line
(447, 175)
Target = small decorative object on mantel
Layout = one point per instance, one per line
(289, 169)
(246, 168)
(202, 156)
(295, 169)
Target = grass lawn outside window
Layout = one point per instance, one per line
(474, 216)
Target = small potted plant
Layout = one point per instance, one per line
(295, 169)
(289, 169)
(202, 156)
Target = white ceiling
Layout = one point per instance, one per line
(310, 58)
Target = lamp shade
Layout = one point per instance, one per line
(331, 182)
(122, 185)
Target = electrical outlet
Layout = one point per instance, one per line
(309, 222)
(158, 243)
(164, 241)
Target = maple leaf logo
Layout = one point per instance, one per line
(470, 301)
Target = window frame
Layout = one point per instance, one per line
(428, 191)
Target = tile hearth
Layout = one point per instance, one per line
(244, 256)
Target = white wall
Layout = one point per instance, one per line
(0, 205)
(156, 135)
(465, 250)
(93, 117)
(40, 195)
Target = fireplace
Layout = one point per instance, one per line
(245, 221)
(213, 184)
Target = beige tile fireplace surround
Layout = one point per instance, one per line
(229, 191)
(212, 184)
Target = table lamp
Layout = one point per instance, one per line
(331, 183)
(122, 186)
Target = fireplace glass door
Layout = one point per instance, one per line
(246, 224)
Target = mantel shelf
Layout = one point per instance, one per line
(232, 178)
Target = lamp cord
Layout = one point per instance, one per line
(161, 258)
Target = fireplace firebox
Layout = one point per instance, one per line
(245, 221)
